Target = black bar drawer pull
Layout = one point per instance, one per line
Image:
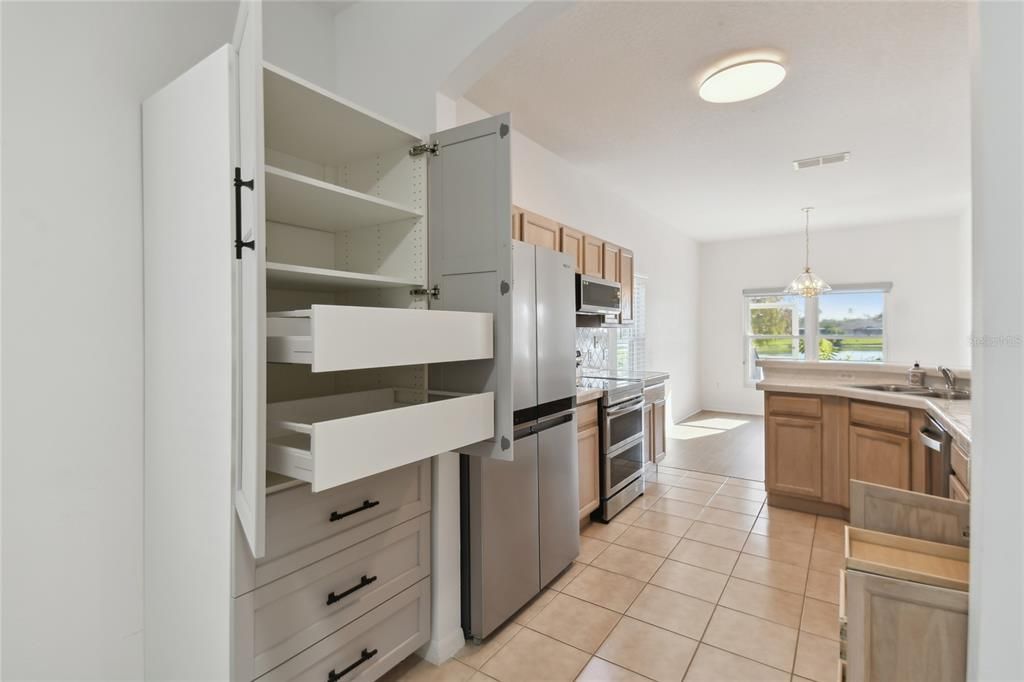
(363, 658)
(367, 504)
(363, 582)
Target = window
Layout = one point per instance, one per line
(631, 342)
(845, 325)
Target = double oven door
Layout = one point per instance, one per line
(622, 445)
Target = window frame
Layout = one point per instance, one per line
(811, 333)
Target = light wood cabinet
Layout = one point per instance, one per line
(590, 490)
(517, 223)
(611, 262)
(540, 231)
(626, 272)
(879, 457)
(649, 433)
(793, 455)
(593, 256)
(658, 430)
(572, 244)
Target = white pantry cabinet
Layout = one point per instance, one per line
(327, 307)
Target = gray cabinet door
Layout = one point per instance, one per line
(470, 258)
(559, 498)
(556, 326)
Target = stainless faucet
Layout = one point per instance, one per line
(948, 375)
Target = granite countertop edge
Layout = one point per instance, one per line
(950, 414)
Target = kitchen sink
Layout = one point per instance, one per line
(924, 392)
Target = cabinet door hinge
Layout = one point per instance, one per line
(418, 150)
(239, 184)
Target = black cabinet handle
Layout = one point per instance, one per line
(367, 504)
(363, 582)
(363, 658)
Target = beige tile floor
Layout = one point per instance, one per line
(698, 580)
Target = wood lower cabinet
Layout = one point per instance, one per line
(593, 256)
(572, 243)
(793, 454)
(881, 457)
(658, 430)
(588, 442)
(649, 432)
(540, 231)
(626, 272)
(517, 223)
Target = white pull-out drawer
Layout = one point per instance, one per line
(338, 337)
(368, 647)
(304, 527)
(298, 610)
(336, 439)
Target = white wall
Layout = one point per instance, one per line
(996, 615)
(299, 37)
(547, 184)
(926, 320)
(74, 76)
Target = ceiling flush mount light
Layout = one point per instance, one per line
(807, 283)
(743, 80)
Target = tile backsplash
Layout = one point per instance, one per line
(595, 344)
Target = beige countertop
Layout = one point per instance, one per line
(585, 395)
(952, 415)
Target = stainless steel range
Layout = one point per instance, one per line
(621, 421)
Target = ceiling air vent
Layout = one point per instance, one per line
(815, 161)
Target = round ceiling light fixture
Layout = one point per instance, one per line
(741, 81)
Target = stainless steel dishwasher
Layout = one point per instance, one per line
(937, 443)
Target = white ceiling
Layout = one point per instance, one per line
(612, 87)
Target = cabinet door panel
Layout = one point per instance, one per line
(540, 231)
(593, 256)
(571, 242)
(590, 494)
(794, 450)
(470, 258)
(879, 457)
(649, 432)
(611, 262)
(658, 426)
(626, 272)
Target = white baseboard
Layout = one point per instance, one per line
(440, 648)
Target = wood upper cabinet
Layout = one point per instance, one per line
(540, 231)
(879, 457)
(517, 223)
(589, 473)
(572, 244)
(611, 261)
(626, 272)
(793, 456)
(593, 256)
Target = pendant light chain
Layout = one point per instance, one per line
(807, 237)
(807, 284)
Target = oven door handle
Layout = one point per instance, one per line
(929, 441)
(615, 411)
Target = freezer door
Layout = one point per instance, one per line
(558, 486)
(502, 535)
(556, 326)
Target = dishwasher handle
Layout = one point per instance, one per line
(929, 440)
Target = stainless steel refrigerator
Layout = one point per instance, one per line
(520, 518)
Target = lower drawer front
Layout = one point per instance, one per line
(296, 611)
(300, 529)
(368, 647)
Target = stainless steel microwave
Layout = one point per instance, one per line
(596, 296)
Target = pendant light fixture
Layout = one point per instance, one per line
(807, 284)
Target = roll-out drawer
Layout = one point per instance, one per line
(336, 439)
(298, 610)
(368, 647)
(880, 416)
(794, 405)
(336, 337)
(304, 527)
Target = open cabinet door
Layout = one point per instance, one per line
(470, 258)
(250, 283)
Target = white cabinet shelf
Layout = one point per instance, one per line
(311, 123)
(299, 200)
(336, 439)
(334, 337)
(304, 278)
